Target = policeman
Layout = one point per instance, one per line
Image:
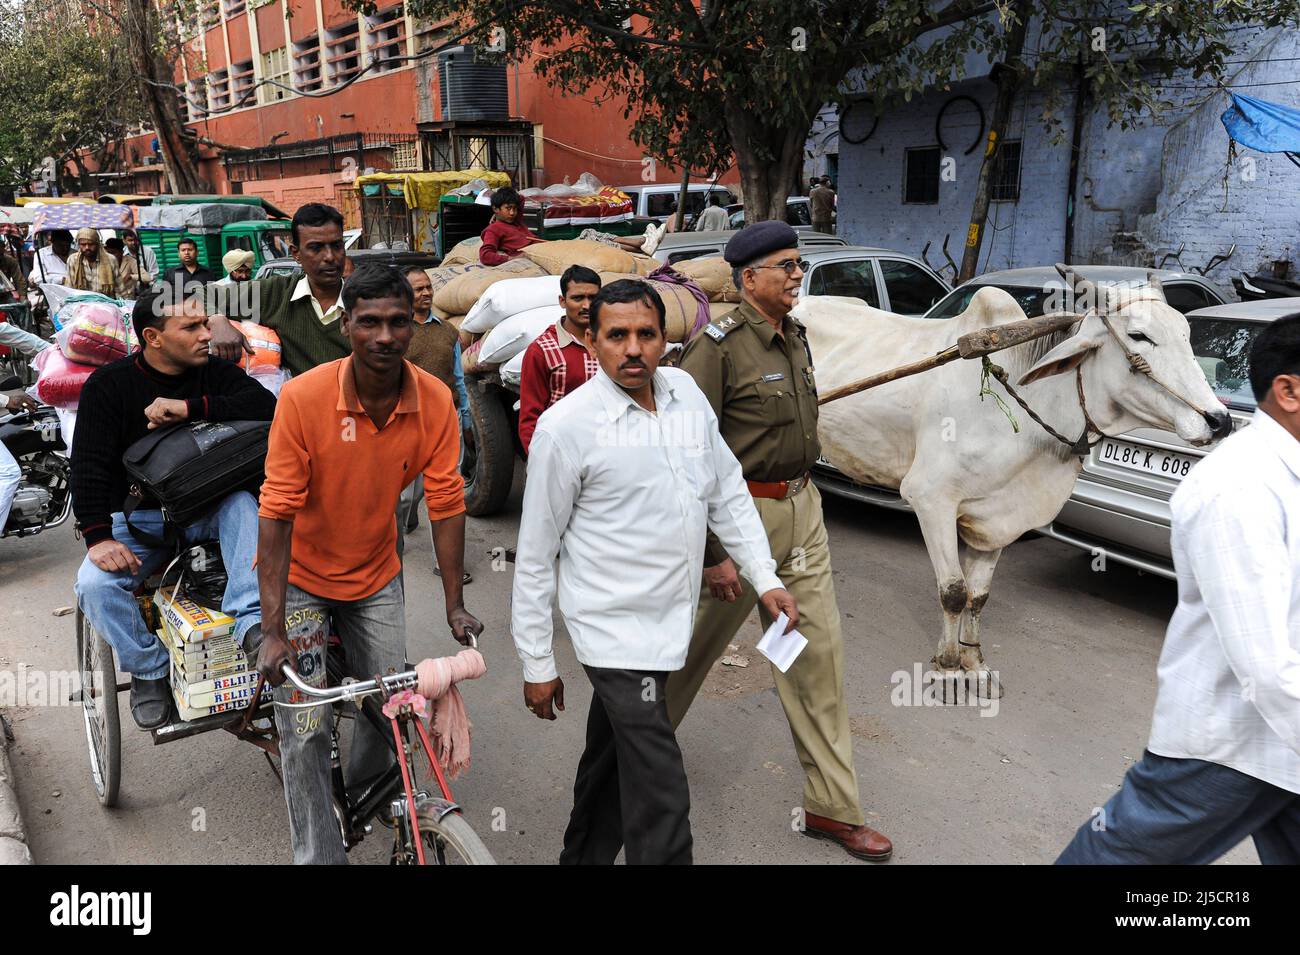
(755, 368)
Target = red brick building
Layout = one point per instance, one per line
(307, 146)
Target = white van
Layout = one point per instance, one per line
(653, 200)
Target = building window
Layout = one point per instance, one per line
(210, 14)
(342, 56)
(196, 99)
(306, 64)
(1004, 177)
(232, 8)
(241, 84)
(386, 38)
(219, 90)
(921, 175)
(275, 66)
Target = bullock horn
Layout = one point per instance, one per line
(1154, 281)
(1083, 289)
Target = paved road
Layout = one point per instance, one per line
(1076, 650)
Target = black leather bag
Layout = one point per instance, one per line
(189, 468)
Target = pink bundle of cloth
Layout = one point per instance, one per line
(451, 726)
(59, 380)
(94, 333)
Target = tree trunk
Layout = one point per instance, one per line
(766, 182)
(1006, 75)
(142, 28)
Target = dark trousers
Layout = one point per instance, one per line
(631, 786)
(1188, 812)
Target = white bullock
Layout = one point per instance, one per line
(975, 484)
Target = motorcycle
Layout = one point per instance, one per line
(44, 495)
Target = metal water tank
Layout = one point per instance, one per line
(472, 90)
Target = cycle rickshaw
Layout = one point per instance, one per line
(428, 827)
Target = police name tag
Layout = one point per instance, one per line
(774, 377)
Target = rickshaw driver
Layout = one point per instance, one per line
(347, 437)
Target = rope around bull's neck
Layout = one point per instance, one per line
(1081, 446)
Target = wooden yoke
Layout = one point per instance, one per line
(975, 344)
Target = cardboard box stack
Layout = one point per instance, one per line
(209, 671)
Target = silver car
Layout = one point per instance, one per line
(1036, 290)
(1120, 505)
(893, 281)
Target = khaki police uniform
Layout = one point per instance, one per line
(762, 389)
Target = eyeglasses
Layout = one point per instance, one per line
(788, 264)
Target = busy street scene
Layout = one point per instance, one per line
(727, 432)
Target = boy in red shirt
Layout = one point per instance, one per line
(507, 236)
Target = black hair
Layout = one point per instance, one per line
(63, 234)
(715, 198)
(372, 281)
(150, 309)
(579, 274)
(505, 196)
(187, 240)
(114, 243)
(408, 269)
(314, 214)
(1276, 351)
(622, 292)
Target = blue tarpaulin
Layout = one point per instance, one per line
(1267, 127)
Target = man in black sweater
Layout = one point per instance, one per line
(171, 379)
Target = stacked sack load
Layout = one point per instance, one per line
(93, 331)
(209, 671)
(510, 305)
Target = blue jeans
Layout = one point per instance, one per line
(108, 599)
(1188, 812)
(373, 635)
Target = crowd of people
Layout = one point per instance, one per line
(661, 506)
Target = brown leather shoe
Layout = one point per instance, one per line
(861, 842)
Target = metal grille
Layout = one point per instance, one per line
(1004, 178)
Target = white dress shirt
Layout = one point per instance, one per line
(56, 269)
(625, 498)
(1229, 674)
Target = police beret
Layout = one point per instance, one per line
(758, 240)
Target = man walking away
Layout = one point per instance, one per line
(626, 475)
(558, 360)
(347, 437)
(714, 218)
(1223, 760)
(822, 206)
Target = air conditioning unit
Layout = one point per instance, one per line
(470, 90)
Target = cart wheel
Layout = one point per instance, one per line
(98, 673)
(489, 466)
(450, 840)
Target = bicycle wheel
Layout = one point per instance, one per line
(98, 673)
(450, 840)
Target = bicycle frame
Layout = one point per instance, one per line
(355, 814)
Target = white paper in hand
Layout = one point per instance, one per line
(780, 647)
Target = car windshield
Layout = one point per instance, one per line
(1029, 297)
(1222, 349)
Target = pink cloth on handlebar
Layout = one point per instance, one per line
(451, 727)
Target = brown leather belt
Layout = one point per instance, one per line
(779, 490)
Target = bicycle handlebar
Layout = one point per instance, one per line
(356, 690)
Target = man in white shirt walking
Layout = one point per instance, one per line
(625, 476)
(1223, 760)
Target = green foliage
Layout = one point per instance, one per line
(703, 78)
(63, 88)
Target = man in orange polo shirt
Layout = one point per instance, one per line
(347, 437)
